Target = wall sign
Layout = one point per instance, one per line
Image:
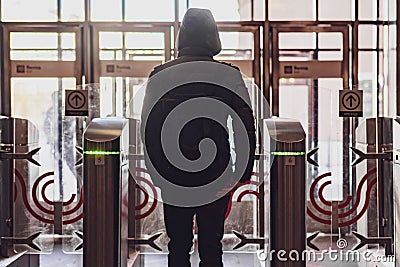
(42, 68)
(350, 103)
(127, 68)
(310, 69)
(76, 103)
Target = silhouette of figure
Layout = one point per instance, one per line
(198, 41)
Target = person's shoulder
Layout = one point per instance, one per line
(165, 65)
(228, 64)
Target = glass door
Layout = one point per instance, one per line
(41, 61)
(307, 77)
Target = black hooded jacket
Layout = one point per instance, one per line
(198, 40)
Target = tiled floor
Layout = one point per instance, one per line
(231, 259)
(59, 259)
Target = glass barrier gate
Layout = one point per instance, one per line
(41, 61)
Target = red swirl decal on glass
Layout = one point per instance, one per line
(46, 207)
(328, 205)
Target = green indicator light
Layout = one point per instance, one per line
(288, 153)
(101, 153)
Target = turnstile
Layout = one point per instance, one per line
(376, 150)
(106, 173)
(18, 144)
(284, 146)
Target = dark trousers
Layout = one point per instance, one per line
(210, 223)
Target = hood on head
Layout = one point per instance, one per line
(199, 30)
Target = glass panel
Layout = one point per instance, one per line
(144, 40)
(330, 135)
(68, 40)
(289, 95)
(244, 10)
(368, 223)
(328, 55)
(259, 10)
(114, 96)
(32, 99)
(71, 185)
(392, 5)
(367, 9)
(68, 55)
(27, 10)
(33, 40)
(236, 45)
(317, 110)
(291, 10)
(144, 46)
(34, 55)
(330, 40)
(110, 40)
(139, 46)
(335, 10)
(367, 36)
(223, 10)
(182, 8)
(302, 40)
(391, 57)
(42, 46)
(367, 79)
(381, 37)
(106, 10)
(387, 10)
(72, 10)
(107, 55)
(138, 10)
